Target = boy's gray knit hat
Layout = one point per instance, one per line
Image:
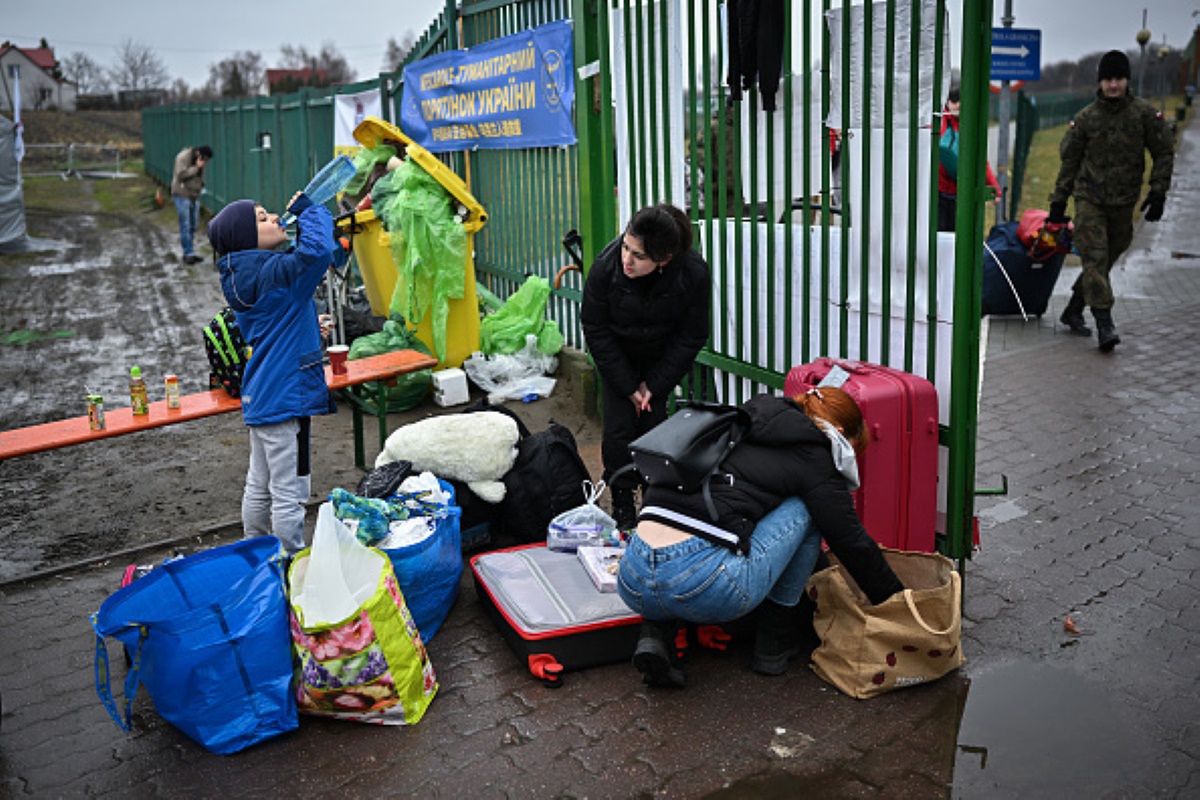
(234, 228)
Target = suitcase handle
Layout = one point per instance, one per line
(955, 616)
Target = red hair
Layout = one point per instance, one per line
(838, 408)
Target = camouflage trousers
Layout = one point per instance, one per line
(1102, 234)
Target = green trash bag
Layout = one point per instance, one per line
(364, 166)
(429, 247)
(503, 333)
(410, 389)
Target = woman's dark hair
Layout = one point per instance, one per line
(204, 151)
(665, 231)
(953, 96)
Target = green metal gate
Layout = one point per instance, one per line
(808, 259)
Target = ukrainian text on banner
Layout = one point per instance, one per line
(513, 92)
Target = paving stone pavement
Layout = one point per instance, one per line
(1102, 454)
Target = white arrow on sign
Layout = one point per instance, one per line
(1021, 51)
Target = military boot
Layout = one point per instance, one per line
(1105, 330)
(655, 656)
(776, 638)
(1072, 315)
(624, 509)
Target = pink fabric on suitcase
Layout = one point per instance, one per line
(898, 472)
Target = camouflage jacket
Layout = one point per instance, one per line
(1103, 152)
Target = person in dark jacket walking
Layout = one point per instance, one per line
(1103, 159)
(187, 182)
(271, 294)
(783, 488)
(645, 317)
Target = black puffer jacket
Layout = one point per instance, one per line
(783, 455)
(645, 329)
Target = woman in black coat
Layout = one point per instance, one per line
(645, 317)
(784, 488)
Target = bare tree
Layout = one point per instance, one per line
(86, 74)
(396, 52)
(137, 67)
(239, 75)
(329, 66)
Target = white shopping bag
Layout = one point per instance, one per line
(337, 577)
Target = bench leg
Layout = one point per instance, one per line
(356, 412)
(381, 411)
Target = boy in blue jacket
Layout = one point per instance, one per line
(271, 294)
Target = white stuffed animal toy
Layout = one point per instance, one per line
(477, 448)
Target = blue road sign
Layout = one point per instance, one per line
(1016, 54)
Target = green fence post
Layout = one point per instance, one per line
(968, 284)
(594, 128)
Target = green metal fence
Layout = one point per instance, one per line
(812, 253)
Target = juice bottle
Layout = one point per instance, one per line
(139, 400)
(172, 390)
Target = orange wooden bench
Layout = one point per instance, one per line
(383, 369)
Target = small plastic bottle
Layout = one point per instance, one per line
(172, 390)
(139, 400)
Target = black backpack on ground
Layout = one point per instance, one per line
(227, 352)
(546, 479)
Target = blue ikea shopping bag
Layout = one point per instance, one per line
(429, 570)
(208, 637)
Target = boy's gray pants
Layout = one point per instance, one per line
(278, 482)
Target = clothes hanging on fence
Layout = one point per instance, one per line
(756, 30)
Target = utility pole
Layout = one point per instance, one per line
(1143, 38)
(1002, 134)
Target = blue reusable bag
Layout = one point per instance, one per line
(208, 636)
(428, 571)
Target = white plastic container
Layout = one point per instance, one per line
(450, 387)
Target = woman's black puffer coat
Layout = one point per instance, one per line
(783, 455)
(645, 329)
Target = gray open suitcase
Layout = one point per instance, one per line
(552, 615)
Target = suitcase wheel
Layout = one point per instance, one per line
(714, 637)
(545, 667)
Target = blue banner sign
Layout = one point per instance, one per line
(514, 92)
(1016, 54)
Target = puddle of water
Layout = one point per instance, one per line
(1037, 730)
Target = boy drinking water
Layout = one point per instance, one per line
(271, 294)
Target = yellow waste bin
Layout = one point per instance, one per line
(372, 248)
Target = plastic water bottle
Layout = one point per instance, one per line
(332, 178)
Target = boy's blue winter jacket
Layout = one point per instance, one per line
(272, 295)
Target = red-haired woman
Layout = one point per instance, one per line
(783, 488)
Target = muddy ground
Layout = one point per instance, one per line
(113, 293)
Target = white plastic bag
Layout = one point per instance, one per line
(339, 575)
(587, 524)
(513, 377)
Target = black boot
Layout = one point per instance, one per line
(1072, 315)
(1105, 330)
(776, 638)
(624, 509)
(655, 655)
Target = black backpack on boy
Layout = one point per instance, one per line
(227, 352)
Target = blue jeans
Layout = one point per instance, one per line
(697, 581)
(189, 219)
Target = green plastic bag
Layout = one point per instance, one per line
(364, 165)
(409, 390)
(429, 247)
(523, 313)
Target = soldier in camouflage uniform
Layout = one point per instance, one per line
(1103, 159)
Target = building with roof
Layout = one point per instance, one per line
(42, 83)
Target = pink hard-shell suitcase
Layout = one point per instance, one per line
(897, 501)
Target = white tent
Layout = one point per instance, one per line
(12, 207)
